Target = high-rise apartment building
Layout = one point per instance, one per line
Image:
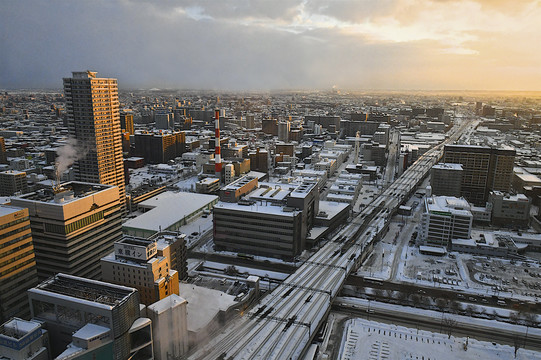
(94, 120)
(73, 227)
(17, 263)
(484, 169)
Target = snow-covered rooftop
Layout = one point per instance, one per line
(203, 304)
(169, 208)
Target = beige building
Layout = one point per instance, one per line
(94, 120)
(17, 263)
(73, 227)
(12, 181)
(149, 265)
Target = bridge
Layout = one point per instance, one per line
(285, 321)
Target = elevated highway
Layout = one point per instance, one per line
(283, 324)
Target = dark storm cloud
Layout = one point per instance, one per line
(146, 45)
(260, 44)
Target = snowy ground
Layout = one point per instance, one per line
(187, 184)
(363, 339)
(203, 304)
(471, 274)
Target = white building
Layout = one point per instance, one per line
(445, 218)
(170, 327)
(229, 172)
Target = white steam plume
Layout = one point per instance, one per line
(67, 155)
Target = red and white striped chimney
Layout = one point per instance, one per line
(217, 151)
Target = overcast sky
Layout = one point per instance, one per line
(275, 44)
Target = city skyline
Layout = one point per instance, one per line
(258, 45)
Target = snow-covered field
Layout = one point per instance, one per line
(370, 340)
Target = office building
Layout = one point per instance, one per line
(147, 265)
(234, 191)
(446, 179)
(445, 218)
(17, 263)
(78, 311)
(259, 160)
(160, 147)
(484, 169)
(126, 122)
(250, 121)
(269, 126)
(326, 121)
(207, 185)
(13, 181)
(73, 227)
(509, 209)
(286, 149)
(168, 211)
(283, 130)
(269, 222)
(94, 120)
(165, 120)
(23, 340)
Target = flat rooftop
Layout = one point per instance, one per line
(450, 204)
(79, 189)
(258, 207)
(303, 189)
(203, 304)
(269, 193)
(447, 166)
(168, 208)
(237, 184)
(86, 289)
(7, 210)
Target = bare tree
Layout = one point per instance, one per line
(514, 318)
(449, 325)
(530, 319)
(516, 343)
(470, 310)
(402, 296)
(455, 306)
(441, 304)
(424, 301)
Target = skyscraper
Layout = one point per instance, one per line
(94, 121)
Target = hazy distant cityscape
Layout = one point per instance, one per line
(270, 180)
